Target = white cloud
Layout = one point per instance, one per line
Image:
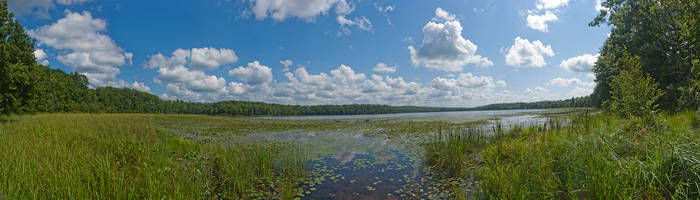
(286, 64)
(579, 92)
(582, 63)
(539, 22)
(443, 46)
(140, 86)
(545, 13)
(384, 68)
(361, 23)
(384, 9)
(302, 9)
(86, 49)
(465, 80)
(551, 4)
(599, 6)
(590, 76)
(524, 53)
(501, 83)
(254, 73)
(536, 91)
(178, 92)
(40, 57)
(211, 58)
(182, 80)
(38, 7)
(341, 85)
(565, 82)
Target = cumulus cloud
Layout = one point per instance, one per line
(536, 91)
(176, 91)
(183, 78)
(582, 63)
(211, 58)
(565, 82)
(303, 9)
(501, 83)
(443, 46)
(384, 68)
(308, 10)
(254, 73)
(464, 80)
(41, 57)
(599, 6)
(579, 92)
(524, 53)
(545, 13)
(539, 22)
(590, 76)
(551, 4)
(38, 7)
(286, 64)
(85, 48)
(342, 85)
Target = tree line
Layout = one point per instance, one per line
(661, 36)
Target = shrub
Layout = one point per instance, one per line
(634, 96)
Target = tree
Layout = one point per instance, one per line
(634, 95)
(16, 61)
(663, 34)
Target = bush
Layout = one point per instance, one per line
(634, 96)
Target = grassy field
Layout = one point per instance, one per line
(131, 156)
(135, 156)
(592, 157)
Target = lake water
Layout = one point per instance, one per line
(349, 164)
(452, 115)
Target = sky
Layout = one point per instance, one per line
(306, 52)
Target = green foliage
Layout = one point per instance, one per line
(591, 158)
(16, 59)
(665, 37)
(634, 95)
(574, 102)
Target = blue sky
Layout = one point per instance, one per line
(430, 53)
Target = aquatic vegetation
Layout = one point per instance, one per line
(455, 152)
(593, 157)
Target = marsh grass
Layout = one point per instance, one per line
(271, 169)
(131, 156)
(593, 157)
(454, 152)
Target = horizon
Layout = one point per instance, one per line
(447, 54)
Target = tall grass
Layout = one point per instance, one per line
(271, 170)
(454, 151)
(114, 156)
(595, 158)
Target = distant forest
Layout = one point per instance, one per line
(663, 36)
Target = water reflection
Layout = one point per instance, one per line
(348, 164)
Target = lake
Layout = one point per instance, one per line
(352, 164)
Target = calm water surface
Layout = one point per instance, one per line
(454, 114)
(348, 164)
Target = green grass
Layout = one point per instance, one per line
(131, 156)
(593, 158)
(454, 152)
(135, 156)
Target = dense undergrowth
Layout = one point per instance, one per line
(585, 157)
(110, 156)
